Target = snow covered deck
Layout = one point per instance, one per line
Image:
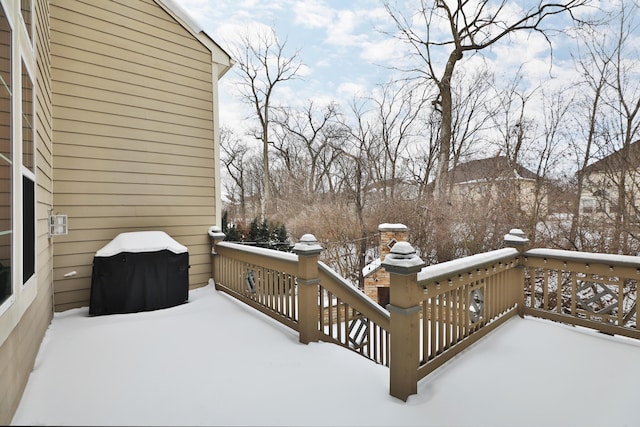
(215, 361)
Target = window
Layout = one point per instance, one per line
(28, 180)
(588, 205)
(6, 161)
(28, 160)
(25, 9)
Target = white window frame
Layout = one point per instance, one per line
(22, 51)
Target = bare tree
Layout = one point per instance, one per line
(595, 66)
(510, 121)
(472, 27)
(545, 156)
(310, 133)
(234, 158)
(395, 114)
(626, 102)
(262, 65)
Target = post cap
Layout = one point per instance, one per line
(403, 259)
(216, 232)
(308, 245)
(515, 238)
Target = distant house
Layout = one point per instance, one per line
(599, 195)
(108, 115)
(497, 178)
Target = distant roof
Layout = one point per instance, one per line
(488, 169)
(615, 160)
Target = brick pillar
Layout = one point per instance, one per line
(308, 251)
(389, 235)
(403, 265)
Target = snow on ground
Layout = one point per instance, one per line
(214, 361)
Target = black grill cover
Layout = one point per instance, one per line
(129, 282)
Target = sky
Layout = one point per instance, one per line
(216, 361)
(342, 52)
(346, 48)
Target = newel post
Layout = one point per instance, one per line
(215, 236)
(308, 251)
(517, 239)
(403, 266)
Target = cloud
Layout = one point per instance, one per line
(313, 14)
(349, 90)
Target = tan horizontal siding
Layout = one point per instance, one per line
(145, 35)
(169, 144)
(105, 234)
(69, 200)
(131, 189)
(111, 59)
(78, 296)
(189, 106)
(169, 92)
(147, 10)
(63, 176)
(105, 212)
(66, 250)
(149, 111)
(134, 154)
(133, 129)
(74, 163)
(74, 131)
(117, 119)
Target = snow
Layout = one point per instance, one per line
(215, 361)
(446, 270)
(371, 267)
(585, 257)
(141, 241)
(392, 227)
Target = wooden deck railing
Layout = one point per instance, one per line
(303, 294)
(350, 318)
(462, 301)
(436, 311)
(262, 278)
(597, 291)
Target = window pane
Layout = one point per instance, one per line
(27, 120)
(6, 184)
(25, 6)
(29, 230)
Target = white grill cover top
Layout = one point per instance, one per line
(141, 241)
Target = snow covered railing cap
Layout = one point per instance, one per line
(308, 245)
(516, 238)
(216, 232)
(403, 260)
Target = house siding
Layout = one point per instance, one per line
(134, 134)
(18, 352)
